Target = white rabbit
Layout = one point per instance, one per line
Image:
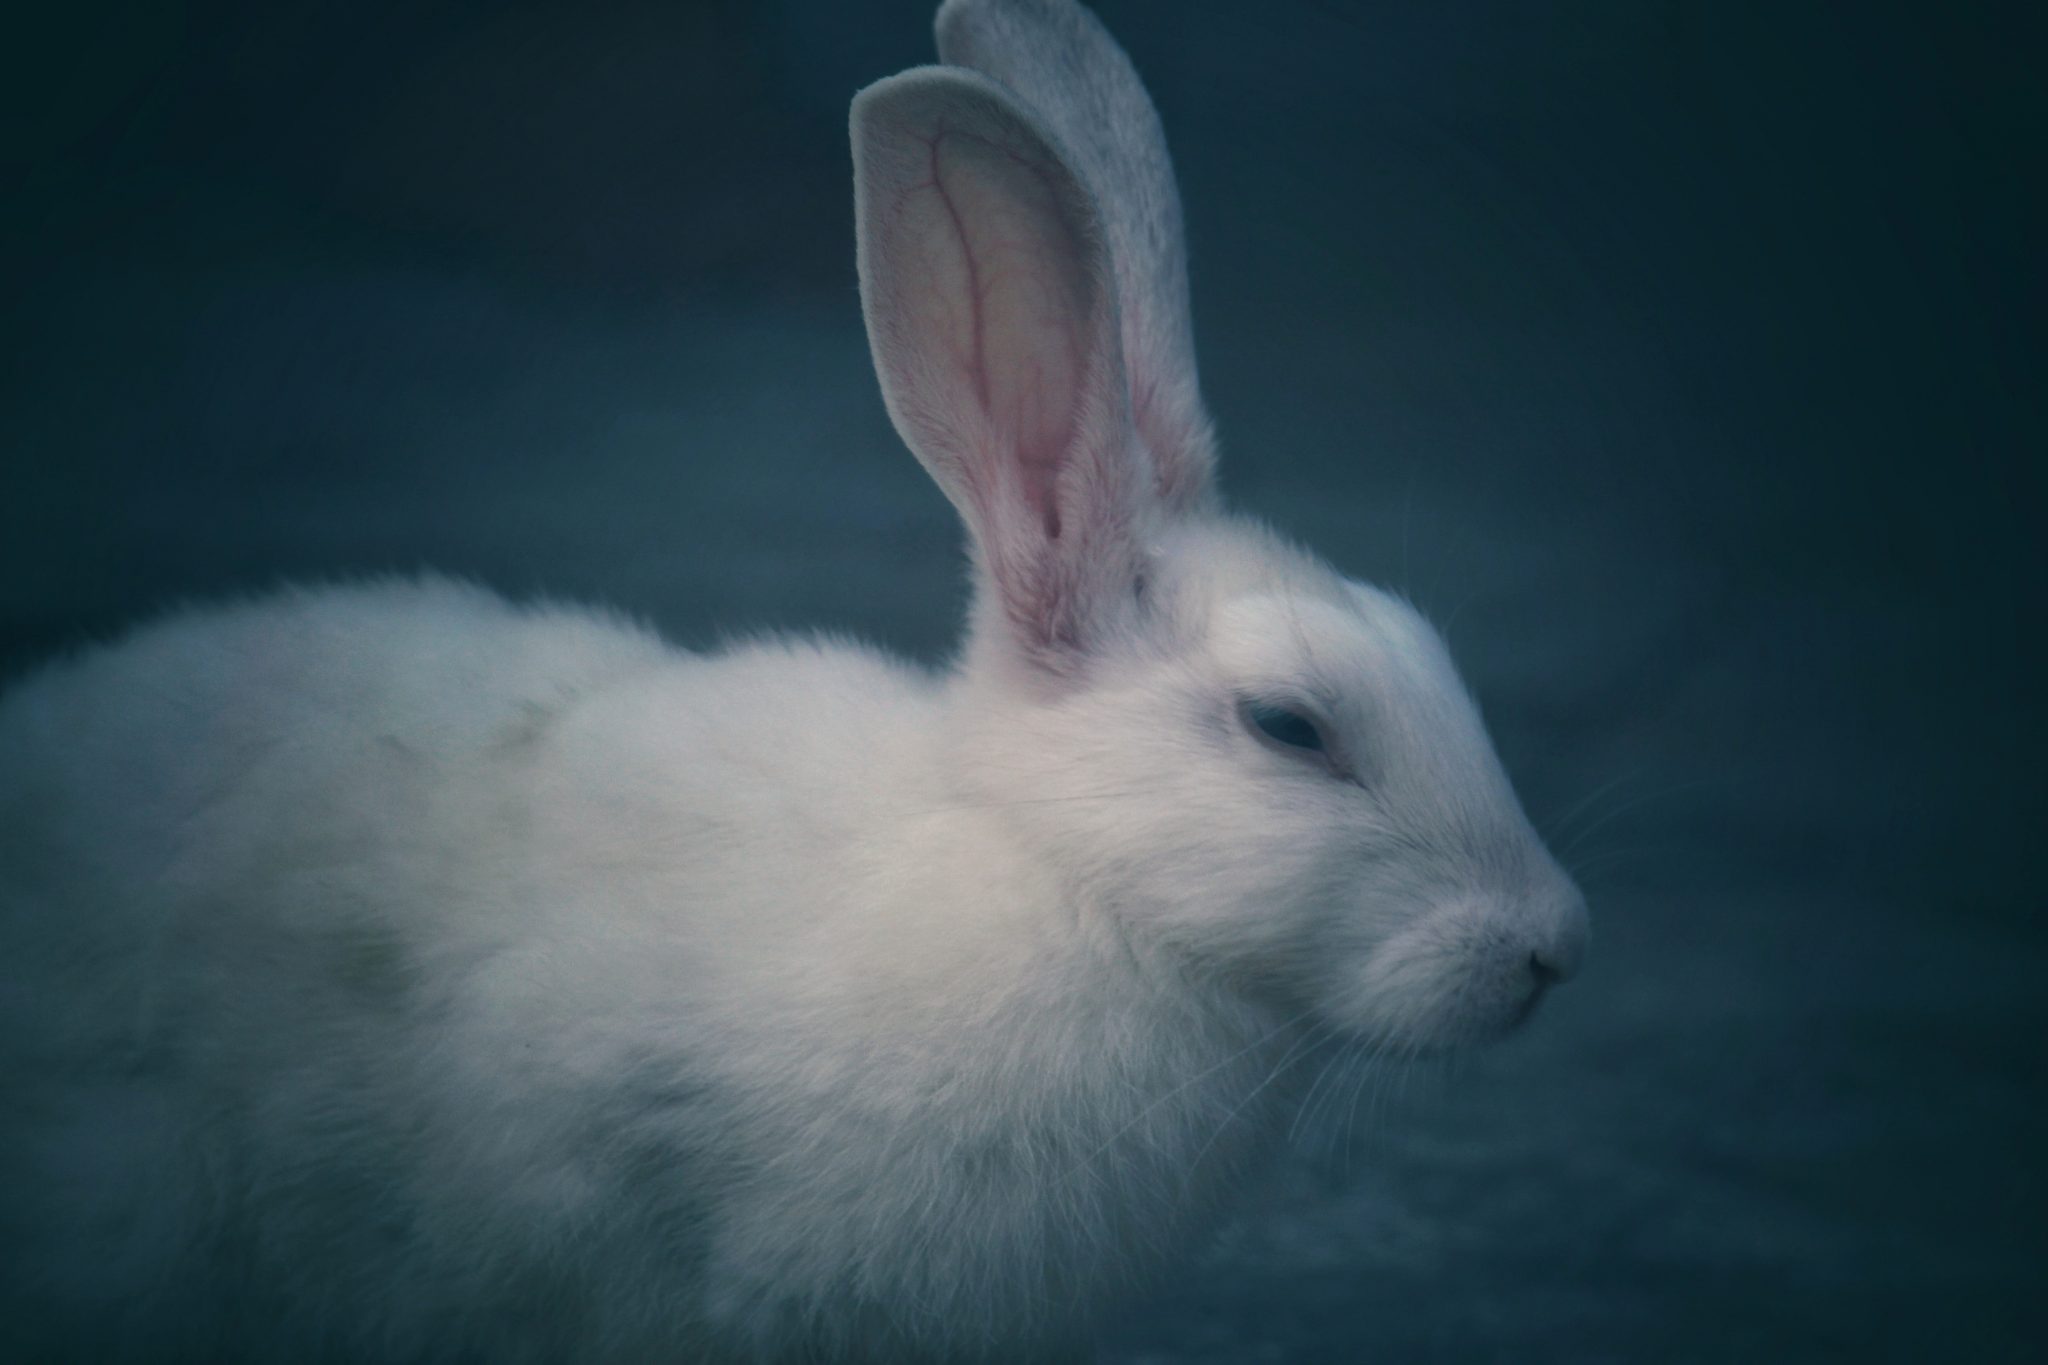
(393, 973)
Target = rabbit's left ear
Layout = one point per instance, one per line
(1064, 65)
(991, 307)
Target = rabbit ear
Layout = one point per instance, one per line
(1063, 63)
(992, 317)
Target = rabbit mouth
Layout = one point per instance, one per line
(1527, 1008)
(1420, 1009)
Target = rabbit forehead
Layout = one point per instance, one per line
(1275, 639)
(1336, 644)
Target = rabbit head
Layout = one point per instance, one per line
(1225, 753)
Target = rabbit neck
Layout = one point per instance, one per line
(1095, 1080)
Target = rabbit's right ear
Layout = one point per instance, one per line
(991, 310)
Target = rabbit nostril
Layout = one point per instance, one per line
(1547, 973)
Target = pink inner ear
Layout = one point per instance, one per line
(1011, 315)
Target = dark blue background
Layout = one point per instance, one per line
(1680, 358)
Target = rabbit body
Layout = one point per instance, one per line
(503, 980)
(394, 973)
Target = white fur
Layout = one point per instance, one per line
(390, 972)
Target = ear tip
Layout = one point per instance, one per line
(893, 89)
(912, 104)
(925, 87)
(899, 104)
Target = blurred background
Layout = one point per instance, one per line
(1680, 359)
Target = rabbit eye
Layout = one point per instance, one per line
(1283, 726)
